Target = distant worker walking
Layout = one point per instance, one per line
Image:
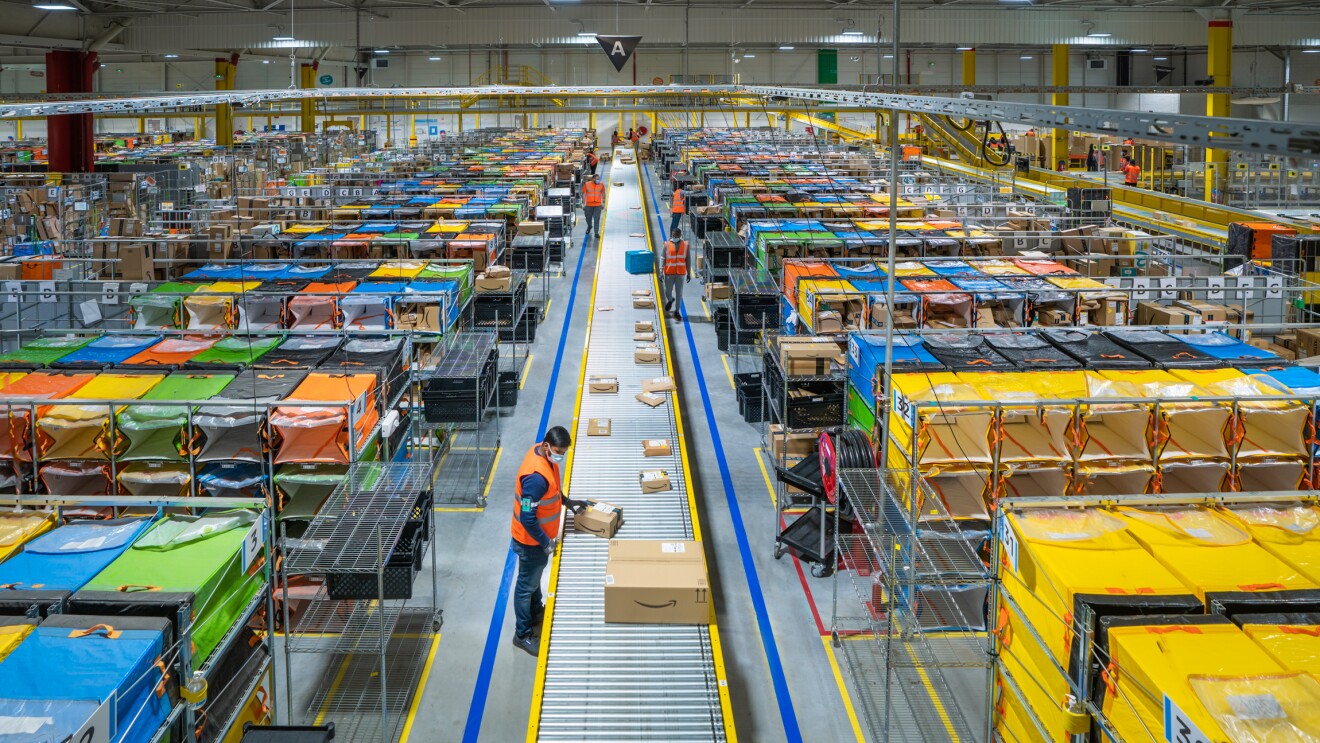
(677, 271)
(677, 208)
(593, 198)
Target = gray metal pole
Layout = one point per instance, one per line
(893, 229)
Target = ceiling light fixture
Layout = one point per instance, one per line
(749, 56)
(850, 30)
(435, 59)
(54, 6)
(281, 37)
(381, 51)
(582, 29)
(265, 61)
(964, 49)
(171, 56)
(786, 47)
(1311, 51)
(1139, 51)
(1098, 35)
(1024, 57)
(1161, 59)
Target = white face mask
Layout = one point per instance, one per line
(557, 458)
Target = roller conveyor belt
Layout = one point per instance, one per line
(624, 682)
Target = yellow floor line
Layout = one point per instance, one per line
(334, 689)
(494, 467)
(417, 693)
(935, 699)
(546, 311)
(459, 509)
(769, 484)
(727, 370)
(843, 690)
(527, 368)
(705, 308)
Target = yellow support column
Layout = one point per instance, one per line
(18, 126)
(1219, 66)
(460, 122)
(412, 127)
(224, 112)
(591, 121)
(1059, 76)
(307, 112)
(969, 67)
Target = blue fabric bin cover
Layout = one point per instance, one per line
(67, 557)
(303, 272)
(1223, 346)
(110, 349)
(1296, 378)
(873, 271)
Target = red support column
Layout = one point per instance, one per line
(70, 142)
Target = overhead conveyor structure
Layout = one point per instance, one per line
(599, 681)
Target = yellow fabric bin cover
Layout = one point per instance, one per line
(1209, 552)
(947, 433)
(1059, 555)
(1149, 663)
(12, 634)
(1029, 432)
(17, 527)
(76, 431)
(1185, 429)
(1289, 532)
(1266, 428)
(399, 270)
(1295, 646)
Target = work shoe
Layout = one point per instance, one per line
(526, 644)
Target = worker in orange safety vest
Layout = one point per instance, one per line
(537, 512)
(677, 271)
(590, 162)
(593, 198)
(677, 208)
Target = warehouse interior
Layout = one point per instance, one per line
(572, 370)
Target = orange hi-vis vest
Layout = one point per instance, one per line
(593, 194)
(676, 258)
(549, 507)
(680, 203)
(1131, 174)
(591, 158)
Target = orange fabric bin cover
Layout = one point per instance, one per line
(319, 433)
(795, 270)
(79, 431)
(16, 434)
(173, 351)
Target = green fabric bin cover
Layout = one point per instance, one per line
(237, 350)
(48, 349)
(201, 555)
(160, 431)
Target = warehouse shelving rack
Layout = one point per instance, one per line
(182, 721)
(380, 512)
(468, 366)
(898, 567)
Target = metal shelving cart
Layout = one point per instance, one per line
(909, 611)
(458, 393)
(367, 544)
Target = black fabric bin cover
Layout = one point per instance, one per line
(967, 353)
(1095, 350)
(1164, 349)
(300, 352)
(1030, 351)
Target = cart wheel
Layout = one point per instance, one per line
(779, 551)
(438, 622)
(821, 570)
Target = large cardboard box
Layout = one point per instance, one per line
(1308, 342)
(717, 290)
(136, 262)
(808, 354)
(487, 284)
(531, 228)
(656, 582)
(791, 445)
(656, 448)
(659, 384)
(654, 481)
(646, 355)
(599, 427)
(599, 518)
(418, 316)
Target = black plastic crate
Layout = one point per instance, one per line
(757, 311)
(524, 331)
(401, 568)
(751, 408)
(508, 389)
(288, 733)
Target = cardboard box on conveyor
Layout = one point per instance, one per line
(656, 582)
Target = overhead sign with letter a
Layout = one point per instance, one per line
(619, 48)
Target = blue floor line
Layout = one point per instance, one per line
(477, 710)
(786, 712)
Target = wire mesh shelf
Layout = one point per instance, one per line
(467, 356)
(357, 626)
(350, 691)
(360, 524)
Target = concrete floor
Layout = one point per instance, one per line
(474, 545)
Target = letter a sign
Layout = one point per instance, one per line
(620, 48)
